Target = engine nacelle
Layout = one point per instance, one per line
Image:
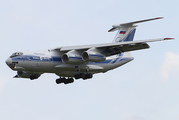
(72, 57)
(24, 74)
(93, 55)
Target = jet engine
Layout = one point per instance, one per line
(24, 74)
(93, 55)
(72, 57)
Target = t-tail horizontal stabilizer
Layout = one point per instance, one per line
(116, 27)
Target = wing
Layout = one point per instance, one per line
(109, 49)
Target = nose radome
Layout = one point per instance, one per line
(8, 61)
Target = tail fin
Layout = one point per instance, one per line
(126, 31)
(125, 34)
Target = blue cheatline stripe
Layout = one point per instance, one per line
(36, 58)
(119, 56)
(124, 59)
(56, 59)
(25, 57)
(115, 60)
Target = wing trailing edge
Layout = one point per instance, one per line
(83, 47)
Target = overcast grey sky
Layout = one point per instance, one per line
(144, 89)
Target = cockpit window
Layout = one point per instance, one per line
(16, 54)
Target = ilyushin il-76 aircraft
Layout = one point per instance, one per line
(75, 62)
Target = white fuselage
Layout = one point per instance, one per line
(51, 62)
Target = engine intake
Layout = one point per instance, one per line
(93, 56)
(72, 57)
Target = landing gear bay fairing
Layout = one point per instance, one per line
(75, 62)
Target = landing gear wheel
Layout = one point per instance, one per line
(69, 80)
(33, 76)
(77, 76)
(83, 76)
(89, 75)
(58, 81)
(64, 80)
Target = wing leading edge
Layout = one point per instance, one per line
(114, 47)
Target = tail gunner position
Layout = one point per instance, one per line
(80, 61)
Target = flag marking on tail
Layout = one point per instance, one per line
(122, 32)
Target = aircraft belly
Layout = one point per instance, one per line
(47, 67)
(69, 70)
(82, 68)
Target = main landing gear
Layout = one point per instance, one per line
(77, 76)
(83, 76)
(34, 76)
(64, 80)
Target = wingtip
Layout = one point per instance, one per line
(169, 38)
(159, 17)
